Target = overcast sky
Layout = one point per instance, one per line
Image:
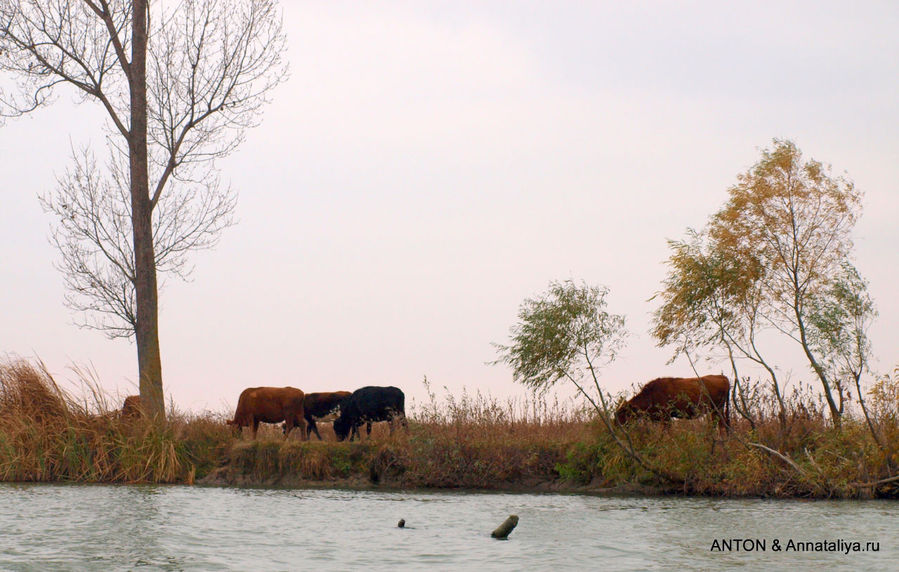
(427, 166)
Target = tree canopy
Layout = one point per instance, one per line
(564, 333)
(776, 256)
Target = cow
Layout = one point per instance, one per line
(270, 405)
(369, 404)
(667, 397)
(319, 405)
(132, 408)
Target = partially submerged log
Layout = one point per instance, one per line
(506, 527)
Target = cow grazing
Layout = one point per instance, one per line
(270, 405)
(667, 397)
(319, 405)
(132, 408)
(367, 405)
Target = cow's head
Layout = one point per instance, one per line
(624, 413)
(640, 404)
(342, 428)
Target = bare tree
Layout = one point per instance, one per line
(180, 83)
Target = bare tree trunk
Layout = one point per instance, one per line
(147, 330)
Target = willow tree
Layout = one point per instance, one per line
(567, 334)
(785, 234)
(180, 83)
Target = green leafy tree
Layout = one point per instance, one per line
(565, 334)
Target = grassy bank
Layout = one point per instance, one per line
(48, 435)
(469, 441)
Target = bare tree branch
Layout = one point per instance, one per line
(180, 90)
(209, 77)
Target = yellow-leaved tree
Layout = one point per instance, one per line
(776, 257)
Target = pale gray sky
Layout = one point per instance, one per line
(427, 166)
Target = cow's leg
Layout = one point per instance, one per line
(304, 428)
(288, 425)
(255, 427)
(311, 428)
(721, 418)
(716, 419)
(367, 429)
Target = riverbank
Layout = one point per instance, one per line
(278, 465)
(833, 464)
(470, 442)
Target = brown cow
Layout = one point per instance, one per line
(270, 405)
(132, 408)
(319, 405)
(667, 397)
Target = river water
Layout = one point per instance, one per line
(77, 527)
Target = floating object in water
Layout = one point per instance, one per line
(402, 523)
(505, 528)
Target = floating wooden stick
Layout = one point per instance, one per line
(506, 527)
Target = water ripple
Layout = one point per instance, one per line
(68, 527)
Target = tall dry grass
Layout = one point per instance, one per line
(475, 440)
(466, 440)
(48, 435)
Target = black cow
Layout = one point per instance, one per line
(369, 404)
(320, 405)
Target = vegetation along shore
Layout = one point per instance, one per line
(470, 441)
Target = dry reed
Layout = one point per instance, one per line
(47, 435)
(469, 440)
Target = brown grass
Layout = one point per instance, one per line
(47, 435)
(469, 440)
